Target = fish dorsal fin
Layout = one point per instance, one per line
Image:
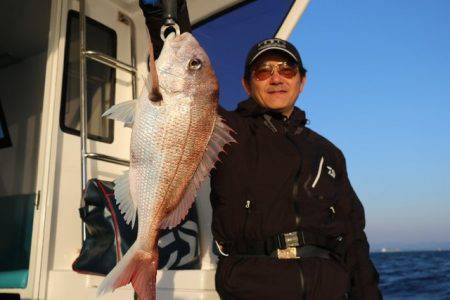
(219, 138)
(123, 112)
(123, 198)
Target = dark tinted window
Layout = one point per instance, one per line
(100, 80)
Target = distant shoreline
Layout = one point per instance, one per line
(396, 250)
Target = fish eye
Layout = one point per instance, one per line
(195, 64)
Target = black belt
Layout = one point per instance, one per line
(294, 244)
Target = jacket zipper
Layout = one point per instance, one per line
(332, 212)
(302, 284)
(296, 202)
(247, 215)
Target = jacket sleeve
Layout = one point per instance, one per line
(154, 21)
(363, 275)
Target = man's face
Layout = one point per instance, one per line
(277, 92)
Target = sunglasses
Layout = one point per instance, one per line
(286, 70)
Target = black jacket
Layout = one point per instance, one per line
(264, 186)
(281, 176)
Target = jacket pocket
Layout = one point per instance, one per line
(323, 183)
(224, 274)
(252, 221)
(321, 194)
(325, 279)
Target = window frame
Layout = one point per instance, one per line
(110, 139)
(6, 140)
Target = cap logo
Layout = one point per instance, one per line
(270, 43)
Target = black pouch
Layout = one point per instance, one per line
(108, 237)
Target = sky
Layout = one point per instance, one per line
(379, 88)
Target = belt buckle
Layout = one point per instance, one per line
(291, 239)
(288, 253)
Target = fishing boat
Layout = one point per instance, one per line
(62, 64)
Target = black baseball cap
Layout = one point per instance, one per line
(276, 45)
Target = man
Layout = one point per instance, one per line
(286, 220)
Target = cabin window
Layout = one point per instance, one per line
(100, 80)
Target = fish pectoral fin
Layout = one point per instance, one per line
(123, 112)
(123, 198)
(219, 138)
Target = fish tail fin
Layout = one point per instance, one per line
(138, 267)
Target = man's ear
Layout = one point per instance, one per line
(246, 86)
(302, 83)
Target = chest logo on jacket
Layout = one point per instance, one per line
(331, 172)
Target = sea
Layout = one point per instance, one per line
(414, 274)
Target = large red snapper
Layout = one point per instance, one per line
(176, 138)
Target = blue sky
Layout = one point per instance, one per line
(379, 88)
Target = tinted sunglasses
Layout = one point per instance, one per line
(286, 70)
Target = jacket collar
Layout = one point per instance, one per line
(249, 108)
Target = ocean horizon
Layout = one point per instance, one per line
(414, 274)
(395, 250)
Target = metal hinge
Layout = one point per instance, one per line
(37, 201)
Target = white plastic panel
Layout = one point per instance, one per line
(68, 166)
(195, 285)
(61, 237)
